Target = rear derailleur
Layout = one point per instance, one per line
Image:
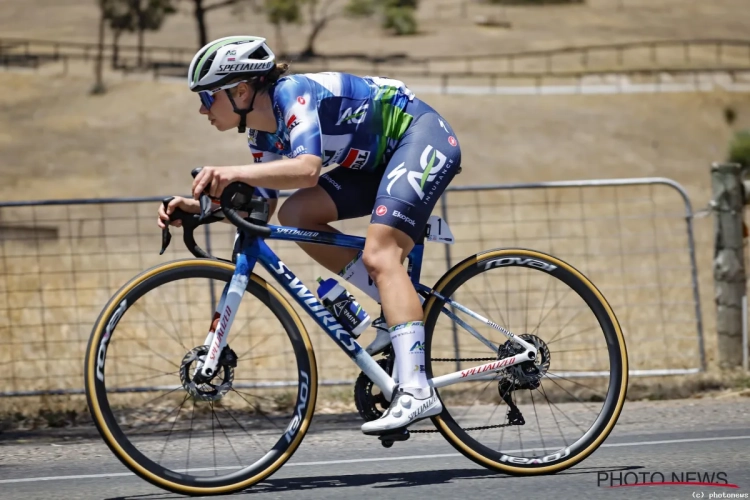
(523, 376)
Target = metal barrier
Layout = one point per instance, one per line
(61, 260)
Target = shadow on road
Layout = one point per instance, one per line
(379, 480)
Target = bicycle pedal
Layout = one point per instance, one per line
(391, 437)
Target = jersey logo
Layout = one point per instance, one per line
(356, 159)
(358, 116)
(258, 157)
(292, 122)
(431, 161)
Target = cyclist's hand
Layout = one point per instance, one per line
(214, 180)
(186, 204)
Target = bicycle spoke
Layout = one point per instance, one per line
(538, 425)
(171, 429)
(595, 327)
(218, 421)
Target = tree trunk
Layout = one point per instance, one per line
(141, 31)
(279, 40)
(310, 46)
(200, 19)
(116, 48)
(99, 64)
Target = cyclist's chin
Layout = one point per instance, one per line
(222, 126)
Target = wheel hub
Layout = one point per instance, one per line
(215, 387)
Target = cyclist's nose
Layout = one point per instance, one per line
(203, 110)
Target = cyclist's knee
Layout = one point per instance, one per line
(381, 258)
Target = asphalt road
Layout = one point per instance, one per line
(696, 436)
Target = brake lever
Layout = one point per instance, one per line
(166, 236)
(205, 200)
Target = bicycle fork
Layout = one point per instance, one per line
(223, 318)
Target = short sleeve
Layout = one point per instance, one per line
(297, 103)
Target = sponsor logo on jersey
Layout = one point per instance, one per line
(292, 122)
(357, 116)
(381, 210)
(252, 137)
(403, 217)
(331, 181)
(232, 52)
(356, 159)
(431, 162)
(279, 146)
(231, 58)
(258, 157)
(298, 151)
(225, 69)
(453, 141)
(301, 100)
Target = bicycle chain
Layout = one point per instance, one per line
(480, 428)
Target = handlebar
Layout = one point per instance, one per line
(236, 197)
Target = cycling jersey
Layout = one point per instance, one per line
(346, 120)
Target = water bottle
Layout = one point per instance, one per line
(344, 308)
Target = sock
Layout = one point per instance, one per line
(356, 274)
(408, 343)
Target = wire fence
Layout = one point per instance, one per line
(60, 261)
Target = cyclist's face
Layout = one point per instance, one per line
(221, 115)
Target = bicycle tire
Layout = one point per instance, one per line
(450, 282)
(121, 446)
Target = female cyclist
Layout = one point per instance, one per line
(394, 155)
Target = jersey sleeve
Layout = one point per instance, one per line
(297, 102)
(264, 157)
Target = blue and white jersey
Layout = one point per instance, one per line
(344, 119)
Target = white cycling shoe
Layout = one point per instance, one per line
(404, 410)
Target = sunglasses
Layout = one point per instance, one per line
(207, 96)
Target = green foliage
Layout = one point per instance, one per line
(396, 15)
(739, 149)
(284, 11)
(401, 20)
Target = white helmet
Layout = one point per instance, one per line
(226, 58)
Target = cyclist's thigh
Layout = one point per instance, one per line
(352, 191)
(425, 161)
(308, 206)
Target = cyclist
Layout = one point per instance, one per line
(393, 155)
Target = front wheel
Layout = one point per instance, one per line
(199, 437)
(540, 416)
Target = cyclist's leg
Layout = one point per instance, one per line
(424, 162)
(340, 194)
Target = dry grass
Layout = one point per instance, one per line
(142, 138)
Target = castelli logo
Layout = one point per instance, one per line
(452, 140)
(279, 145)
(301, 100)
(381, 210)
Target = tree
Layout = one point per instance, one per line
(318, 19)
(99, 87)
(121, 18)
(149, 15)
(202, 7)
(280, 12)
(397, 15)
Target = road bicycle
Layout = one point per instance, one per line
(535, 397)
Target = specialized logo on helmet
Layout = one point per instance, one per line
(225, 69)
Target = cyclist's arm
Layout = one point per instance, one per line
(297, 103)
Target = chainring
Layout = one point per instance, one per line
(371, 406)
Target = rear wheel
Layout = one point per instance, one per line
(199, 439)
(553, 413)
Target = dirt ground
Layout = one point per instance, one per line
(443, 29)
